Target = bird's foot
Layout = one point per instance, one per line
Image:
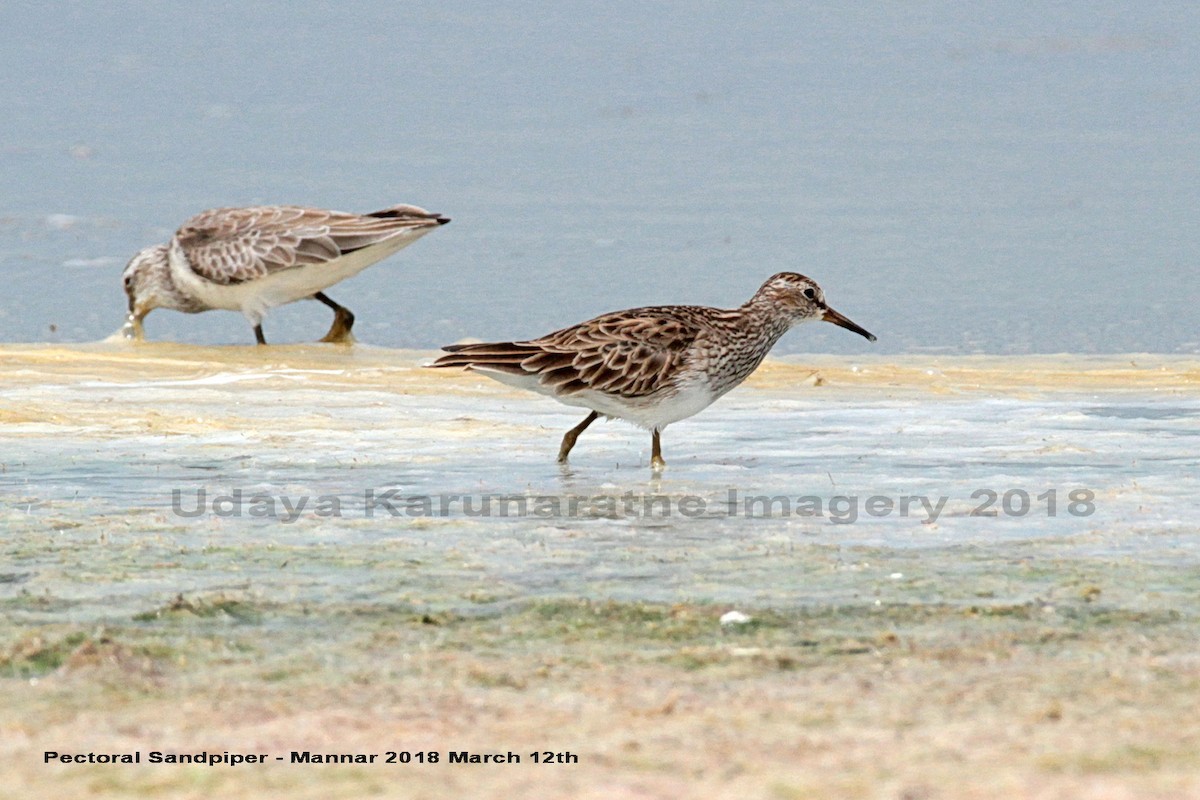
(339, 331)
(338, 337)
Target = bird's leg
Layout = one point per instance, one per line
(656, 459)
(569, 440)
(258, 334)
(343, 321)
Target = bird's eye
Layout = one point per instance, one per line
(810, 294)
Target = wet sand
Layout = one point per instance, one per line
(1009, 656)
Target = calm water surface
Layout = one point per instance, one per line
(1006, 180)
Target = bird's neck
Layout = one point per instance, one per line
(753, 329)
(765, 322)
(168, 292)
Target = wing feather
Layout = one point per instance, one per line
(235, 245)
(628, 353)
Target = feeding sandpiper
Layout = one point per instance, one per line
(253, 259)
(652, 366)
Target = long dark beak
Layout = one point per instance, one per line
(837, 319)
(132, 329)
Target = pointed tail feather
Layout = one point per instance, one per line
(414, 213)
(503, 356)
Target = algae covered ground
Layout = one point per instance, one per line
(1072, 699)
(1032, 654)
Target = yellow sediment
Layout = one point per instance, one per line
(995, 374)
(209, 383)
(371, 368)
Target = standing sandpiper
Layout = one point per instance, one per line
(253, 259)
(652, 366)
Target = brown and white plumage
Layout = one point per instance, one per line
(656, 365)
(253, 259)
(628, 354)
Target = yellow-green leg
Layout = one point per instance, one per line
(343, 321)
(569, 440)
(656, 459)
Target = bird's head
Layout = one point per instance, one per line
(803, 301)
(148, 286)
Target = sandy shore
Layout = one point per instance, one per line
(400, 369)
(962, 658)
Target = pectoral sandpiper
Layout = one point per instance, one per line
(253, 259)
(652, 366)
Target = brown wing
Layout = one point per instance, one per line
(234, 245)
(627, 353)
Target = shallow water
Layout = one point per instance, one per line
(1011, 181)
(97, 439)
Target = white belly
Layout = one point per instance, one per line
(650, 413)
(256, 297)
